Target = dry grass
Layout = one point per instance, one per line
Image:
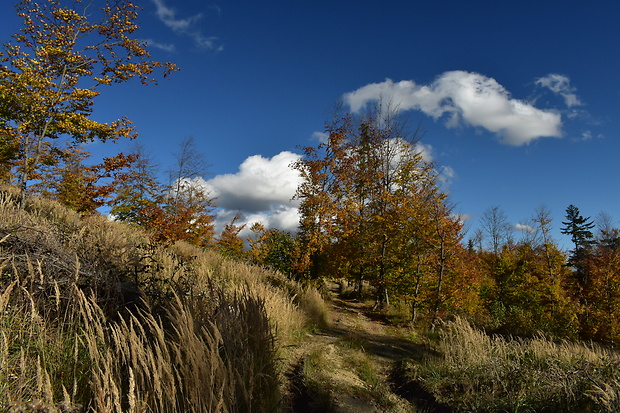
(93, 317)
(196, 358)
(479, 372)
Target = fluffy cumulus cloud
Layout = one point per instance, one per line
(259, 184)
(185, 26)
(464, 97)
(560, 84)
(260, 191)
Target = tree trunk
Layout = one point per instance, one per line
(414, 304)
(382, 299)
(360, 284)
(440, 273)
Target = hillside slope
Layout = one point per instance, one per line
(95, 317)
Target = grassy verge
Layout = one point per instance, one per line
(478, 372)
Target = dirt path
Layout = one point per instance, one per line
(349, 365)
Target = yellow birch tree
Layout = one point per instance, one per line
(53, 70)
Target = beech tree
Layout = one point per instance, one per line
(187, 216)
(138, 190)
(273, 248)
(364, 203)
(447, 233)
(53, 70)
(602, 293)
(179, 210)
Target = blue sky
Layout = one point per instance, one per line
(518, 99)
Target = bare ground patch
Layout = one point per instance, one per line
(350, 365)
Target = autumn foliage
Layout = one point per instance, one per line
(373, 209)
(53, 70)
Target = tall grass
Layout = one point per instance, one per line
(67, 355)
(478, 372)
(93, 317)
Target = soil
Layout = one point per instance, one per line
(356, 332)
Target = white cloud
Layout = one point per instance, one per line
(465, 97)
(446, 174)
(167, 47)
(461, 217)
(283, 217)
(259, 184)
(168, 16)
(560, 84)
(525, 228)
(321, 137)
(185, 26)
(425, 150)
(261, 191)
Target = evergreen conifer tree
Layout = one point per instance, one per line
(578, 228)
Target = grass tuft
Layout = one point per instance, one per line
(479, 372)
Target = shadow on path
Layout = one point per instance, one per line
(356, 321)
(368, 331)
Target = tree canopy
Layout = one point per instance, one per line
(53, 70)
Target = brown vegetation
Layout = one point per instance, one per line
(95, 318)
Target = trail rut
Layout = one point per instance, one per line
(350, 366)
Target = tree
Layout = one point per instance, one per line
(607, 234)
(447, 234)
(190, 164)
(578, 228)
(52, 72)
(185, 216)
(138, 190)
(602, 295)
(273, 248)
(229, 243)
(543, 220)
(495, 226)
(80, 187)
(525, 298)
(184, 210)
(366, 202)
(180, 210)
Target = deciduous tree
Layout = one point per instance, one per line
(496, 228)
(139, 190)
(54, 69)
(365, 201)
(273, 248)
(82, 187)
(229, 243)
(180, 210)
